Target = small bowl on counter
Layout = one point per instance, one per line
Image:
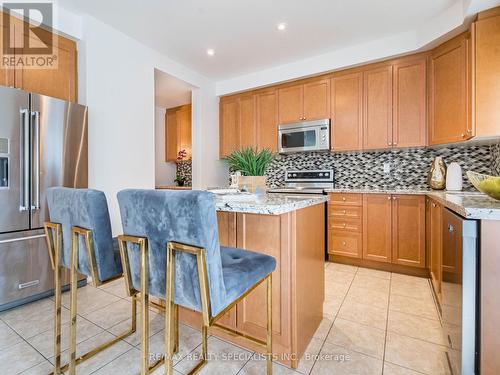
(489, 185)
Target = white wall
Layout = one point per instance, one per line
(164, 171)
(116, 81)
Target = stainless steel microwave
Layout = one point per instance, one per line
(304, 136)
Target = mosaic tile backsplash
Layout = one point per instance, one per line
(408, 168)
(184, 168)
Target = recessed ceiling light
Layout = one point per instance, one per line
(210, 52)
(281, 26)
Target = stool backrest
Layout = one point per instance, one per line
(88, 209)
(187, 217)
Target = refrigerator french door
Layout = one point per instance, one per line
(43, 143)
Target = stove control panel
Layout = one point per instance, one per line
(310, 176)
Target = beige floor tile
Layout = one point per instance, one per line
(90, 299)
(156, 324)
(368, 297)
(340, 361)
(44, 342)
(99, 360)
(258, 367)
(310, 355)
(189, 339)
(112, 314)
(334, 276)
(364, 314)
(417, 327)
(414, 306)
(342, 267)
(414, 290)
(323, 329)
(357, 337)
(8, 336)
(116, 288)
(18, 358)
(331, 307)
(336, 289)
(392, 369)
(33, 318)
(371, 282)
(374, 273)
(224, 358)
(42, 368)
(398, 277)
(416, 354)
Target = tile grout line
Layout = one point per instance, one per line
(387, 323)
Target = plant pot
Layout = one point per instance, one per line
(252, 183)
(180, 183)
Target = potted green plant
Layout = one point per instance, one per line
(252, 164)
(180, 180)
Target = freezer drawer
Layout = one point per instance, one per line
(25, 268)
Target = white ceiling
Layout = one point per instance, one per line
(243, 33)
(171, 92)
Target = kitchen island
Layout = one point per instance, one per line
(291, 229)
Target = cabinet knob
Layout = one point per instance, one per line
(345, 225)
(389, 143)
(394, 198)
(344, 243)
(434, 205)
(389, 198)
(395, 144)
(462, 135)
(343, 198)
(344, 212)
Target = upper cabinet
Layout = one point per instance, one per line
(377, 119)
(449, 92)
(267, 120)
(247, 118)
(347, 112)
(178, 132)
(59, 81)
(409, 103)
(229, 128)
(305, 102)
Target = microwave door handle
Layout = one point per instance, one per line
(25, 163)
(35, 142)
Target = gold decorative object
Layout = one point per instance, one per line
(252, 183)
(437, 174)
(489, 185)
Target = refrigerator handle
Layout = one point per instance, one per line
(35, 179)
(25, 162)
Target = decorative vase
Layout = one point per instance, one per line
(437, 174)
(252, 183)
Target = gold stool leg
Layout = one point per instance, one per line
(58, 300)
(269, 341)
(169, 312)
(73, 303)
(144, 308)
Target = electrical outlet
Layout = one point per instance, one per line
(387, 168)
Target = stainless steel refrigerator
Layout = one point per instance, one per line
(43, 143)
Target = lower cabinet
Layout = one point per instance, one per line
(435, 224)
(380, 229)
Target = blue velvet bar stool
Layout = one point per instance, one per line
(79, 238)
(170, 250)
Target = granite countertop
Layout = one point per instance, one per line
(269, 204)
(469, 204)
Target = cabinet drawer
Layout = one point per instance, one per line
(346, 199)
(346, 225)
(345, 243)
(344, 212)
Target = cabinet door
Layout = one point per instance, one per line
(267, 121)
(171, 135)
(290, 104)
(184, 129)
(317, 100)
(409, 104)
(436, 224)
(6, 74)
(347, 112)
(377, 227)
(59, 82)
(449, 112)
(377, 124)
(247, 114)
(229, 128)
(408, 230)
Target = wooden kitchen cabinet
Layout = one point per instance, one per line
(377, 224)
(177, 132)
(6, 73)
(229, 129)
(450, 92)
(435, 242)
(409, 106)
(304, 102)
(267, 120)
(247, 121)
(347, 112)
(408, 230)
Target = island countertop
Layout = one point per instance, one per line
(268, 204)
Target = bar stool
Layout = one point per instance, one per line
(170, 250)
(79, 238)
